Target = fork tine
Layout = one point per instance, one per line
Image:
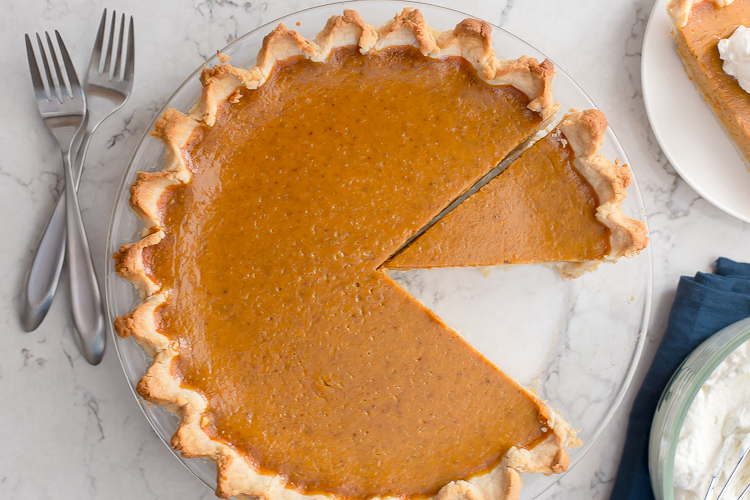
(68, 64)
(96, 54)
(130, 56)
(49, 83)
(118, 57)
(108, 61)
(36, 77)
(60, 84)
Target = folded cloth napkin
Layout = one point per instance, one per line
(702, 306)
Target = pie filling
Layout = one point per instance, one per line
(559, 220)
(697, 44)
(316, 366)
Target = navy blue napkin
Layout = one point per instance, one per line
(702, 306)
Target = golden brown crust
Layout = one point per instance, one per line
(129, 264)
(585, 131)
(236, 477)
(679, 10)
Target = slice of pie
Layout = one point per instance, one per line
(563, 194)
(698, 27)
(293, 360)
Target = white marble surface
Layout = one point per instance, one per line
(69, 430)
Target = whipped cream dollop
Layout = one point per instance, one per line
(735, 52)
(716, 431)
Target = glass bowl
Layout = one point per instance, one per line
(676, 399)
(576, 342)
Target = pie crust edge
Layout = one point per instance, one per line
(585, 130)
(471, 40)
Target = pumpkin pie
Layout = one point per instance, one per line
(579, 205)
(292, 359)
(698, 27)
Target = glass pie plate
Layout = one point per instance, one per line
(575, 342)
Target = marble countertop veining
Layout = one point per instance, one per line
(70, 430)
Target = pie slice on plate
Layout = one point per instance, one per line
(292, 359)
(698, 27)
(563, 194)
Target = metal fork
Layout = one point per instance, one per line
(62, 104)
(107, 87)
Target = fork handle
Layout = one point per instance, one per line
(86, 301)
(44, 273)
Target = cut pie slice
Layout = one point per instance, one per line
(292, 359)
(563, 194)
(698, 27)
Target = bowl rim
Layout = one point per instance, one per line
(701, 363)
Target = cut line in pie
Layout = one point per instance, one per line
(579, 203)
(293, 361)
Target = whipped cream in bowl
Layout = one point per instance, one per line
(735, 52)
(716, 431)
(702, 422)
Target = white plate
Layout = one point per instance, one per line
(691, 137)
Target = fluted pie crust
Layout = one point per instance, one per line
(224, 84)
